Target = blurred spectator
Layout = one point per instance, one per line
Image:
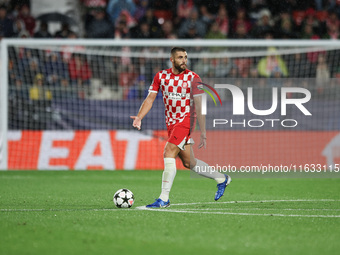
(142, 31)
(122, 31)
(152, 21)
(234, 73)
(142, 7)
(43, 31)
(223, 67)
(284, 26)
(34, 68)
(40, 106)
(332, 32)
(126, 16)
(167, 29)
(243, 65)
(115, 7)
(332, 19)
(223, 20)
(64, 32)
(214, 32)
(13, 72)
(79, 70)
(139, 89)
(264, 24)
(19, 28)
(191, 33)
(110, 74)
(253, 72)
(28, 66)
(55, 70)
(38, 91)
(241, 32)
(184, 9)
(99, 26)
(206, 16)
(241, 20)
(272, 65)
(331, 25)
(322, 71)
(308, 32)
(6, 24)
(202, 67)
(27, 18)
(192, 25)
(17, 92)
(310, 20)
(143, 66)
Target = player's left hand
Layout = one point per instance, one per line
(203, 142)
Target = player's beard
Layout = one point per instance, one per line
(180, 68)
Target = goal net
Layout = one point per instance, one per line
(66, 104)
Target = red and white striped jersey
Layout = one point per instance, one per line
(178, 91)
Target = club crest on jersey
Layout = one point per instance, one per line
(185, 85)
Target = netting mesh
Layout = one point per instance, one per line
(74, 90)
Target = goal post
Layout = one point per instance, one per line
(3, 106)
(65, 104)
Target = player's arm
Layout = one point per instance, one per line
(201, 120)
(143, 110)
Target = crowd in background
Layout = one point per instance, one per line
(169, 19)
(189, 19)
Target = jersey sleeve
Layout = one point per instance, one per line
(197, 86)
(155, 85)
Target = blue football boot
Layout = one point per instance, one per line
(159, 203)
(221, 187)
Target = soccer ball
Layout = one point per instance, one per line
(123, 198)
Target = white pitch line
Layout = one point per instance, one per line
(203, 210)
(209, 210)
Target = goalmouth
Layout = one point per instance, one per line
(57, 116)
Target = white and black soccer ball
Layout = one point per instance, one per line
(123, 198)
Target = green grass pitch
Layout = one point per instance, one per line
(71, 212)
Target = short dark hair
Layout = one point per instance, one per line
(175, 49)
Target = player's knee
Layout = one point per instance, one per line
(169, 152)
(189, 163)
(186, 164)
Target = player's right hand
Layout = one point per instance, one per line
(137, 122)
